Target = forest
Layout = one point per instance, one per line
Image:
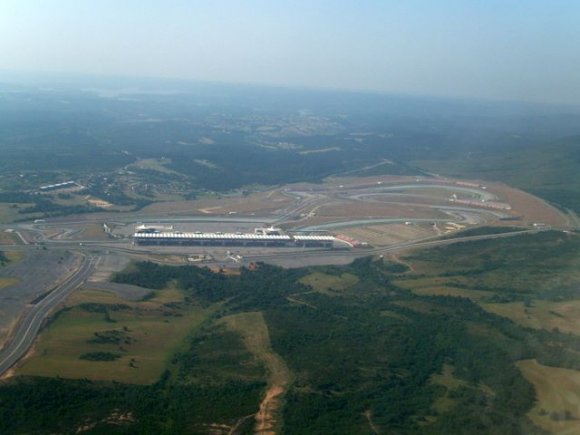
(265, 137)
(367, 351)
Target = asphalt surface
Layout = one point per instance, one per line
(28, 327)
(33, 275)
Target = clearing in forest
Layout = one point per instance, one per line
(100, 336)
(558, 397)
(253, 329)
(324, 282)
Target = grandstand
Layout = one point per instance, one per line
(260, 238)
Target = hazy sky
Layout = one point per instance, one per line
(513, 49)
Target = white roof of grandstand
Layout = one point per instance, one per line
(314, 238)
(234, 236)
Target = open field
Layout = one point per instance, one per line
(14, 256)
(252, 327)
(159, 165)
(355, 210)
(6, 282)
(530, 207)
(90, 231)
(562, 316)
(381, 235)
(329, 284)
(144, 336)
(531, 280)
(9, 213)
(9, 238)
(446, 379)
(439, 287)
(557, 409)
(258, 203)
(545, 264)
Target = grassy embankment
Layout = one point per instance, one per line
(144, 336)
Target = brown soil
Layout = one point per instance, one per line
(369, 416)
(531, 208)
(254, 331)
(262, 202)
(361, 210)
(387, 234)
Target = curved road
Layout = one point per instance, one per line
(25, 333)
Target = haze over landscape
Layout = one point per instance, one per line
(494, 49)
(289, 217)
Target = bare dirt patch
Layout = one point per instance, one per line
(258, 203)
(255, 334)
(531, 208)
(369, 416)
(388, 234)
(158, 165)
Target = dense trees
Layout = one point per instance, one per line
(370, 351)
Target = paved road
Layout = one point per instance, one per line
(418, 243)
(28, 327)
(126, 248)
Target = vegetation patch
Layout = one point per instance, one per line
(7, 282)
(539, 314)
(447, 380)
(324, 282)
(536, 266)
(145, 336)
(100, 356)
(254, 330)
(378, 358)
(558, 396)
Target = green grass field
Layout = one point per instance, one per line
(562, 316)
(151, 331)
(9, 212)
(326, 283)
(447, 380)
(557, 409)
(532, 280)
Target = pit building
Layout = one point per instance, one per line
(261, 237)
